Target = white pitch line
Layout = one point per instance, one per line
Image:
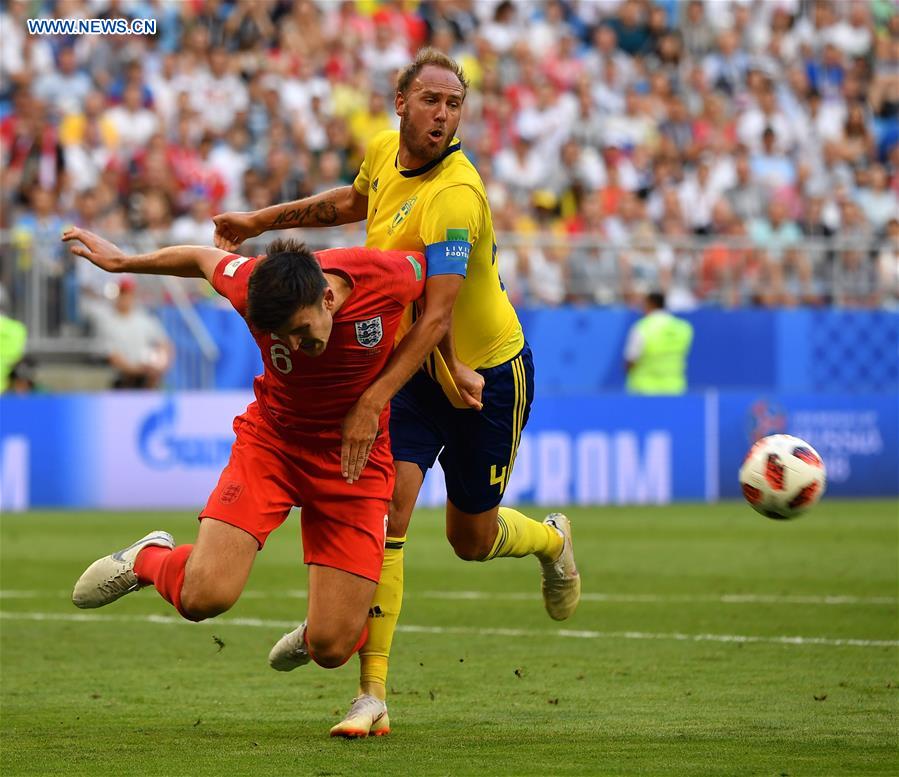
(496, 632)
(671, 598)
(513, 596)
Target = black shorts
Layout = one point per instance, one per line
(476, 448)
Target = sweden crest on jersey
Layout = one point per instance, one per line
(369, 332)
(405, 210)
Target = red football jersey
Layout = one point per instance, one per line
(306, 397)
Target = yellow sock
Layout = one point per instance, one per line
(382, 617)
(519, 536)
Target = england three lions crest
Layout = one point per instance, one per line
(370, 332)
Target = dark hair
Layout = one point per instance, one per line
(287, 278)
(425, 57)
(656, 299)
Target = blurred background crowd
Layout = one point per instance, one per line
(726, 152)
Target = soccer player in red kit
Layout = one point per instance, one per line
(325, 324)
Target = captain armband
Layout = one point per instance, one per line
(448, 258)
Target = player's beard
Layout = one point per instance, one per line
(418, 147)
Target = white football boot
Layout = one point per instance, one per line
(561, 581)
(290, 651)
(111, 577)
(367, 717)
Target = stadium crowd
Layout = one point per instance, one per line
(703, 148)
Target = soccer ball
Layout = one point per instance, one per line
(782, 476)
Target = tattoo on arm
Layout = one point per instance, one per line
(323, 213)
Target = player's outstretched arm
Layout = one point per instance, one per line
(182, 261)
(360, 427)
(329, 209)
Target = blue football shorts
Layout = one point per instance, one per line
(476, 448)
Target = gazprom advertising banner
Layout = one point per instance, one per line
(116, 450)
(132, 450)
(606, 449)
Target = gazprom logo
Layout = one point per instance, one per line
(161, 445)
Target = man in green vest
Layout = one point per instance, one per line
(13, 337)
(656, 350)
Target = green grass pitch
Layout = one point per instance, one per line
(710, 641)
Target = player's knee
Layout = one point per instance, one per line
(469, 547)
(329, 651)
(199, 603)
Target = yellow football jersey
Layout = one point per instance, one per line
(441, 210)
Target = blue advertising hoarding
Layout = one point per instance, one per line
(132, 450)
(857, 437)
(606, 449)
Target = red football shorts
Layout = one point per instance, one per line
(344, 525)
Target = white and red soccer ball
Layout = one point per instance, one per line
(782, 476)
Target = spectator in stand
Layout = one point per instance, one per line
(678, 126)
(592, 271)
(857, 143)
(631, 128)
(888, 265)
(134, 341)
(647, 264)
(605, 63)
(548, 120)
(767, 116)
(698, 194)
(329, 172)
(66, 87)
(725, 69)
(133, 124)
(230, 159)
(505, 29)
(521, 168)
(730, 272)
(826, 75)
(813, 223)
(365, 124)
(384, 55)
(773, 169)
(194, 227)
(245, 26)
(630, 97)
(787, 266)
(698, 33)
(631, 32)
(222, 94)
(883, 96)
(580, 170)
(35, 157)
(856, 280)
(854, 269)
(547, 270)
(91, 149)
(879, 203)
(852, 35)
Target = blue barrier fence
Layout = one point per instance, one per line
(579, 350)
(145, 449)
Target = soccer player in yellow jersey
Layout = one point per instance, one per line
(461, 380)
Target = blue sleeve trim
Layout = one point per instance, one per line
(448, 258)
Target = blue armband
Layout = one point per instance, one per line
(448, 258)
